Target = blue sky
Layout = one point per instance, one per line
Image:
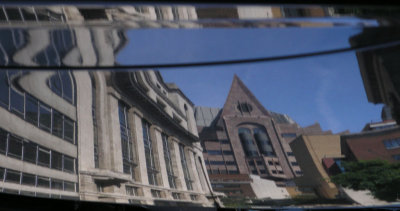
(325, 89)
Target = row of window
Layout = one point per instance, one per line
(8, 175)
(222, 171)
(223, 141)
(392, 143)
(219, 152)
(21, 149)
(38, 194)
(217, 162)
(128, 157)
(396, 157)
(247, 137)
(33, 110)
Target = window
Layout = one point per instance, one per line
(95, 129)
(32, 110)
(225, 141)
(69, 186)
(254, 172)
(214, 152)
(126, 140)
(43, 157)
(28, 179)
(233, 172)
(15, 147)
(56, 160)
(193, 197)
(230, 162)
(294, 163)
(244, 107)
(2, 171)
(263, 142)
(392, 143)
(270, 163)
(17, 102)
(131, 191)
(280, 172)
(3, 141)
(45, 118)
(176, 195)
(156, 193)
(4, 89)
(185, 168)
(69, 165)
(13, 176)
(43, 182)
(227, 152)
(214, 162)
(61, 84)
(290, 153)
(57, 124)
(263, 171)
(247, 142)
(274, 171)
(30, 152)
(168, 161)
(56, 184)
(148, 150)
(396, 157)
(251, 163)
(68, 129)
(299, 172)
(260, 163)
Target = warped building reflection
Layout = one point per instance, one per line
(102, 136)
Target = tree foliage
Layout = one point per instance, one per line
(380, 177)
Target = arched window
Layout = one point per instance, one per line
(247, 141)
(61, 83)
(263, 142)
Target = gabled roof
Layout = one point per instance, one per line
(240, 93)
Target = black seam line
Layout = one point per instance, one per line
(204, 64)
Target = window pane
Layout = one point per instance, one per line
(57, 124)
(31, 110)
(56, 184)
(56, 160)
(30, 151)
(28, 179)
(13, 176)
(55, 84)
(2, 170)
(43, 182)
(68, 164)
(17, 102)
(69, 186)
(3, 141)
(4, 89)
(15, 147)
(45, 118)
(68, 129)
(44, 157)
(67, 86)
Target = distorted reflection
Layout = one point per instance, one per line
(319, 130)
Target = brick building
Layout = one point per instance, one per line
(243, 139)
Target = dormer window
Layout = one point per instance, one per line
(244, 107)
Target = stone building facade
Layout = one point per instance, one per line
(243, 139)
(101, 136)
